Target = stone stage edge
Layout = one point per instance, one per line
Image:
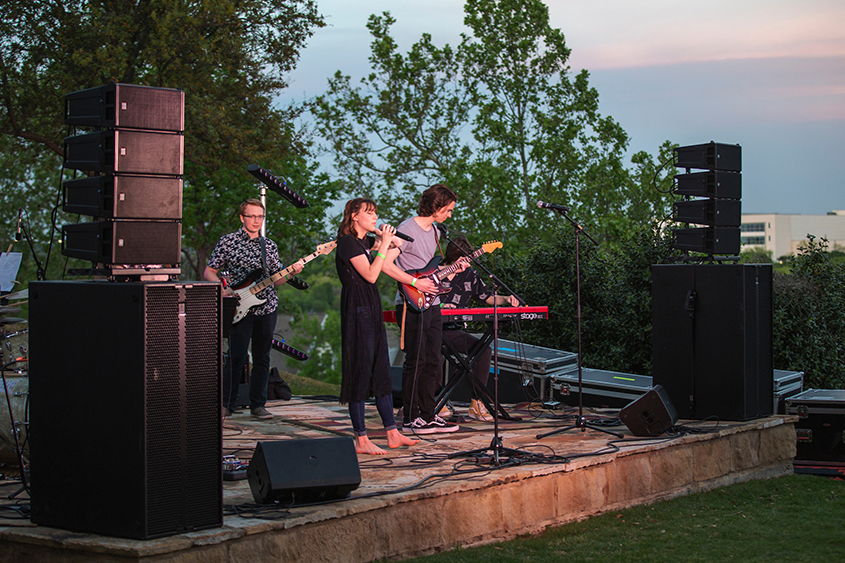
(430, 497)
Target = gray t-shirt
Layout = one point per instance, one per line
(417, 254)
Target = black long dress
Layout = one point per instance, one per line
(365, 364)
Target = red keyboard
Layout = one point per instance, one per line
(484, 314)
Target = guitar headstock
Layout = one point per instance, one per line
(326, 247)
(491, 245)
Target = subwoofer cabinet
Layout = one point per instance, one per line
(712, 339)
(125, 424)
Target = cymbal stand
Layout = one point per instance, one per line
(581, 421)
(18, 450)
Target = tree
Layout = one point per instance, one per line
(230, 58)
(500, 118)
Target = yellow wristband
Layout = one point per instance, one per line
(380, 254)
(413, 282)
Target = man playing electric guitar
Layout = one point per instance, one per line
(422, 327)
(241, 253)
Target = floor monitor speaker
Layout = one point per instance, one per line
(296, 472)
(650, 415)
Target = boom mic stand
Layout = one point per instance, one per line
(496, 445)
(581, 421)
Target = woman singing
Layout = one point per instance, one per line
(365, 365)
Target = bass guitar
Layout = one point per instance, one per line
(246, 289)
(419, 301)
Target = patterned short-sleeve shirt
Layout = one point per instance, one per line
(464, 287)
(240, 255)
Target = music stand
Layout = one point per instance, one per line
(496, 444)
(581, 421)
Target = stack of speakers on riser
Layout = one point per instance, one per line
(720, 214)
(133, 189)
(125, 426)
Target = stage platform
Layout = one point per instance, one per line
(430, 497)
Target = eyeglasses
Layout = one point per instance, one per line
(253, 216)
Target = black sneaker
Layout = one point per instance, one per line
(441, 425)
(418, 426)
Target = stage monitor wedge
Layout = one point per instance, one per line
(303, 471)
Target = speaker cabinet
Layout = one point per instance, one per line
(124, 242)
(124, 197)
(710, 156)
(129, 152)
(712, 339)
(125, 425)
(718, 185)
(127, 105)
(714, 212)
(303, 471)
(709, 240)
(650, 415)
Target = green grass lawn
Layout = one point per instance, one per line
(795, 518)
(305, 386)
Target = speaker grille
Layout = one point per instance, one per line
(202, 338)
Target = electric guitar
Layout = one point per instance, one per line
(246, 289)
(419, 301)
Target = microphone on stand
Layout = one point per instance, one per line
(20, 221)
(442, 228)
(555, 206)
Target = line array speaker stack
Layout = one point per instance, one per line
(133, 162)
(712, 339)
(720, 213)
(125, 431)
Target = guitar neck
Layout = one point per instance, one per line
(281, 274)
(449, 270)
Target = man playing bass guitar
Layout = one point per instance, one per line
(241, 253)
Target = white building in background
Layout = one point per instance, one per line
(783, 233)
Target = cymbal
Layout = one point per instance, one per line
(17, 295)
(4, 310)
(11, 320)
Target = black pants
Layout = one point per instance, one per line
(421, 372)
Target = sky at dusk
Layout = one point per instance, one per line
(768, 75)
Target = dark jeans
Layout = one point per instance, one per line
(462, 342)
(421, 372)
(260, 330)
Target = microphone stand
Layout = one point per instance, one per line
(496, 445)
(581, 421)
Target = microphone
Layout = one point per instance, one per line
(442, 228)
(556, 207)
(276, 185)
(403, 236)
(20, 220)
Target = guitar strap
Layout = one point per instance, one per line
(262, 242)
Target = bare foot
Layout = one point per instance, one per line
(396, 439)
(363, 445)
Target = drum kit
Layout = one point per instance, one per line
(14, 393)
